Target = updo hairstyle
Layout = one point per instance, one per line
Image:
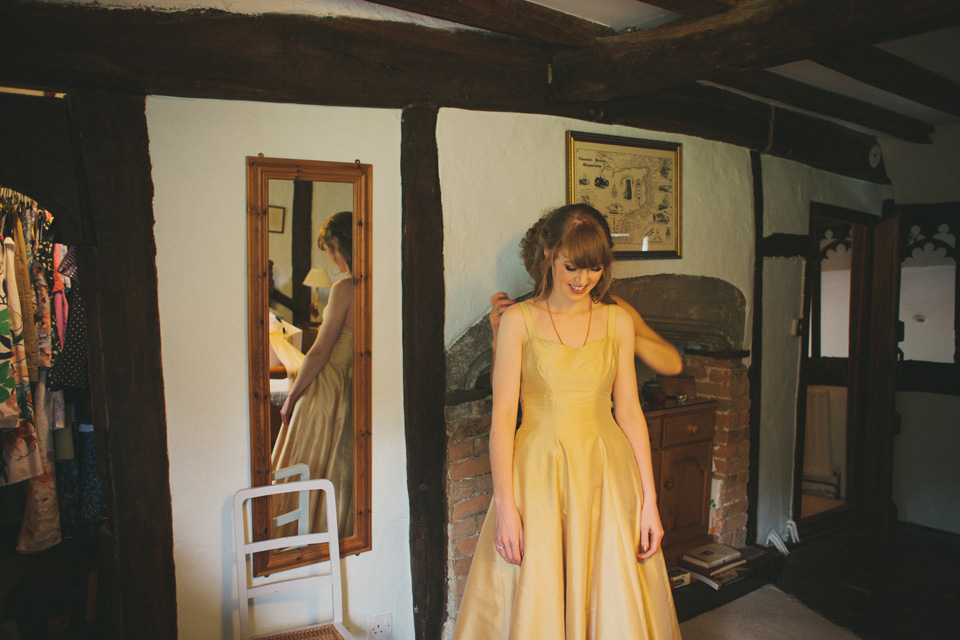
(580, 232)
(336, 234)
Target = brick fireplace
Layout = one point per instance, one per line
(705, 316)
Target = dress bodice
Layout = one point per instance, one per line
(559, 380)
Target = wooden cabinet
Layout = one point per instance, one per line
(681, 442)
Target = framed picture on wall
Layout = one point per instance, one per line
(635, 184)
(276, 218)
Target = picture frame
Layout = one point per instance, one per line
(635, 184)
(276, 216)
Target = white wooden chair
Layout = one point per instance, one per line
(299, 515)
(328, 630)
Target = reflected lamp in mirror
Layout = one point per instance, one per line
(317, 278)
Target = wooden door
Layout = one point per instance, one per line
(867, 373)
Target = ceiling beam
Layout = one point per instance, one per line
(693, 8)
(750, 35)
(713, 113)
(310, 60)
(893, 74)
(277, 57)
(772, 86)
(511, 17)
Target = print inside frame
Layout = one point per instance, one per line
(635, 184)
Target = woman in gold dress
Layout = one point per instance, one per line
(570, 548)
(317, 415)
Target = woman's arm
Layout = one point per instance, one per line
(629, 416)
(656, 353)
(508, 532)
(334, 314)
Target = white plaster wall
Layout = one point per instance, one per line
(198, 148)
(926, 478)
(789, 188)
(926, 174)
(782, 303)
(923, 173)
(500, 171)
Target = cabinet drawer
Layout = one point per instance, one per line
(689, 427)
(655, 428)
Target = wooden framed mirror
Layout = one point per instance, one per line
(288, 202)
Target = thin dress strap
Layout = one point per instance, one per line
(531, 332)
(611, 320)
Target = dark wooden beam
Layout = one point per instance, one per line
(772, 86)
(38, 159)
(789, 245)
(727, 117)
(424, 366)
(831, 215)
(511, 17)
(118, 280)
(755, 372)
(301, 249)
(942, 378)
(825, 146)
(892, 73)
(750, 35)
(284, 58)
(277, 57)
(694, 110)
(693, 8)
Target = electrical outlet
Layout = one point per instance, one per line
(381, 627)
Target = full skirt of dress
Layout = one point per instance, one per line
(321, 435)
(578, 491)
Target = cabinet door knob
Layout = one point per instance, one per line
(692, 429)
(668, 484)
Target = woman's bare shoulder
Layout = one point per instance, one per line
(342, 289)
(623, 320)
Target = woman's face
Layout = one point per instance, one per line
(571, 281)
(333, 254)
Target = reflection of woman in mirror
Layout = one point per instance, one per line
(318, 412)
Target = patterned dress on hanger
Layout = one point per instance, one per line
(22, 458)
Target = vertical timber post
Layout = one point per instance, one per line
(424, 368)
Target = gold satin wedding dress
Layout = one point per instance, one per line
(320, 434)
(578, 490)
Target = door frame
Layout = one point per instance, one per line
(870, 370)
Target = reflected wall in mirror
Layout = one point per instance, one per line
(309, 266)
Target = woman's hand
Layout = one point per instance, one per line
(286, 411)
(508, 534)
(498, 304)
(651, 531)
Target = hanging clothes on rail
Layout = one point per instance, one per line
(83, 506)
(28, 346)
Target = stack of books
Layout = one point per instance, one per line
(678, 577)
(714, 564)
